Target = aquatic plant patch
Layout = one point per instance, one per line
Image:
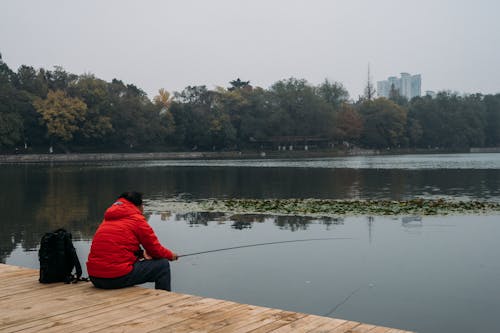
(325, 207)
(417, 206)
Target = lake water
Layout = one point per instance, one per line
(429, 274)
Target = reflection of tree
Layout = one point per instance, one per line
(245, 221)
(13, 210)
(44, 198)
(200, 218)
(293, 223)
(38, 198)
(165, 216)
(329, 221)
(8, 243)
(248, 218)
(61, 205)
(241, 225)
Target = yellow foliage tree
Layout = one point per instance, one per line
(61, 114)
(164, 101)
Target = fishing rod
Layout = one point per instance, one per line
(261, 244)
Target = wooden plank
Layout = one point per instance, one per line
(308, 324)
(363, 328)
(94, 312)
(115, 314)
(17, 272)
(236, 319)
(119, 318)
(165, 317)
(348, 326)
(29, 306)
(86, 317)
(102, 301)
(17, 312)
(282, 319)
(9, 268)
(205, 321)
(195, 321)
(88, 304)
(251, 323)
(17, 277)
(34, 289)
(379, 329)
(14, 281)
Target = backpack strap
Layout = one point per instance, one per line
(73, 278)
(76, 261)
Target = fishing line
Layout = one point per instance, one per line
(343, 301)
(355, 291)
(261, 244)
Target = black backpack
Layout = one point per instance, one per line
(57, 257)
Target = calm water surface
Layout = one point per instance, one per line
(434, 274)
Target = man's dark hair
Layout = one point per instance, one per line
(133, 197)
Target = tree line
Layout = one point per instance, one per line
(42, 108)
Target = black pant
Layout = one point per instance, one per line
(157, 271)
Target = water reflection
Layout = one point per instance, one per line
(245, 221)
(421, 161)
(42, 197)
(397, 256)
(200, 218)
(380, 280)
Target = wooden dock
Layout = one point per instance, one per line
(28, 306)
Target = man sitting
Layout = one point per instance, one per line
(116, 259)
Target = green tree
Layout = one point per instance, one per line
(492, 117)
(333, 93)
(94, 93)
(201, 120)
(31, 81)
(238, 84)
(11, 125)
(472, 124)
(299, 111)
(251, 116)
(10, 128)
(450, 120)
(59, 79)
(135, 119)
(190, 109)
(415, 131)
(234, 105)
(384, 123)
(424, 111)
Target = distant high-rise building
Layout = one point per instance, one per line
(408, 85)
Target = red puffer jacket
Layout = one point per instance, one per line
(124, 228)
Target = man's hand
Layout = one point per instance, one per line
(146, 255)
(174, 257)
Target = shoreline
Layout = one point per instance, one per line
(106, 157)
(109, 157)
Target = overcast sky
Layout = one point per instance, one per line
(453, 44)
